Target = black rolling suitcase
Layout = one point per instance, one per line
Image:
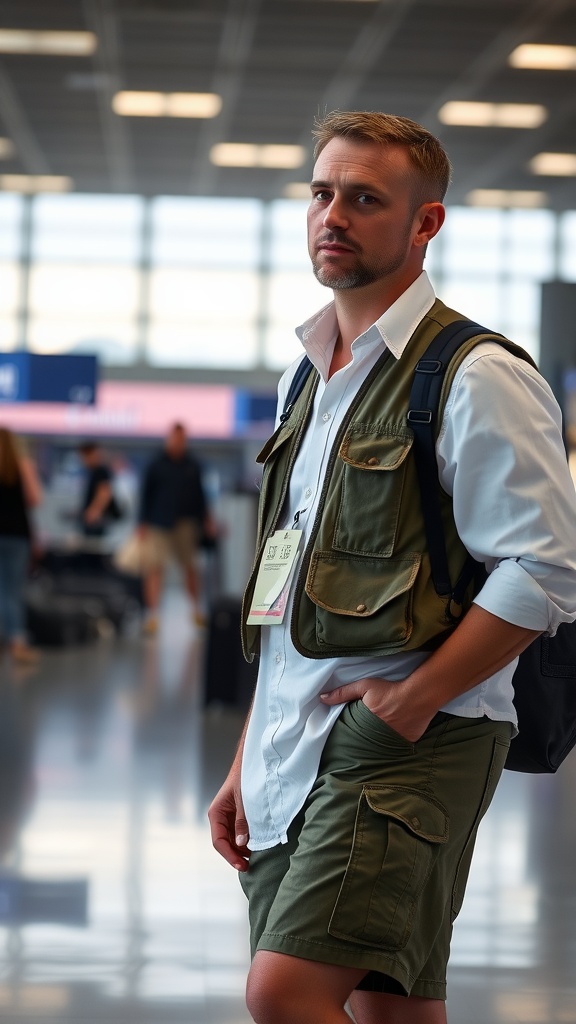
(89, 577)
(228, 678)
(56, 621)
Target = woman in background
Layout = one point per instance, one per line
(20, 490)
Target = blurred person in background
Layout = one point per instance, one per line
(99, 504)
(20, 490)
(173, 517)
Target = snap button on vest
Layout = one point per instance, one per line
(361, 608)
(373, 461)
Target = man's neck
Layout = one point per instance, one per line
(356, 310)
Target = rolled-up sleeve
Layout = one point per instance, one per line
(501, 457)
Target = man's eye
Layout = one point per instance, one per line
(366, 200)
(321, 197)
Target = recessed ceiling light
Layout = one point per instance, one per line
(246, 154)
(32, 183)
(56, 44)
(555, 164)
(166, 104)
(297, 190)
(7, 148)
(544, 56)
(493, 115)
(507, 197)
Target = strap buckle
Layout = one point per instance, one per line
(419, 416)
(429, 366)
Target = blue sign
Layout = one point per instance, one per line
(252, 411)
(27, 377)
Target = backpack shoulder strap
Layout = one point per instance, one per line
(423, 419)
(296, 385)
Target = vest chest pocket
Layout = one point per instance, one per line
(371, 490)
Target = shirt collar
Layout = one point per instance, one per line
(395, 327)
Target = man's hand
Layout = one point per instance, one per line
(480, 645)
(228, 825)
(388, 701)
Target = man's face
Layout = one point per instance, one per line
(176, 444)
(362, 218)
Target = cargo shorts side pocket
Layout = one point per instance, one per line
(397, 836)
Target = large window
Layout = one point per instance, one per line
(191, 282)
(11, 233)
(489, 264)
(204, 287)
(84, 288)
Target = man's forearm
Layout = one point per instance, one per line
(481, 645)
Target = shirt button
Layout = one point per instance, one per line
(361, 608)
(307, 492)
(327, 416)
(278, 659)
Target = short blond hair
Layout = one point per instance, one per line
(427, 155)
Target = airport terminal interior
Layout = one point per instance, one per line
(154, 165)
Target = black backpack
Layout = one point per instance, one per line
(545, 677)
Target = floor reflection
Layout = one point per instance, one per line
(108, 760)
(102, 754)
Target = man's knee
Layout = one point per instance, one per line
(267, 995)
(285, 989)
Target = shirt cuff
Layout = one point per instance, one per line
(511, 593)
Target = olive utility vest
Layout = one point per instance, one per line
(363, 584)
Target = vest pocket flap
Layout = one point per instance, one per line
(421, 815)
(372, 451)
(279, 438)
(359, 587)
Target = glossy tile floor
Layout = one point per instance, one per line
(113, 905)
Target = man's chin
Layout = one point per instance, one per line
(338, 281)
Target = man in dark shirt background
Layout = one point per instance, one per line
(98, 505)
(173, 516)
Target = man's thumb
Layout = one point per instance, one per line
(342, 694)
(241, 831)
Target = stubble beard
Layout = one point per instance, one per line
(358, 276)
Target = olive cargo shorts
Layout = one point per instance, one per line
(374, 872)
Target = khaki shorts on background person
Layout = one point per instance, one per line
(180, 544)
(374, 872)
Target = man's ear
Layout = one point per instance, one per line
(430, 218)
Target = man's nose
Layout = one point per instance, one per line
(335, 215)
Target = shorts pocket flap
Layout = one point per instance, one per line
(358, 586)
(420, 814)
(366, 450)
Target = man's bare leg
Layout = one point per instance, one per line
(152, 587)
(383, 1008)
(192, 583)
(285, 989)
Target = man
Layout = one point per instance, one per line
(173, 512)
(98, 496)
(378, 731)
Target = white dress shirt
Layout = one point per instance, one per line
(500, 455)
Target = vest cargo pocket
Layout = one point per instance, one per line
(372, 483)
(397, 836)
(361, 602)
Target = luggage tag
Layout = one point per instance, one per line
(275, 574)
